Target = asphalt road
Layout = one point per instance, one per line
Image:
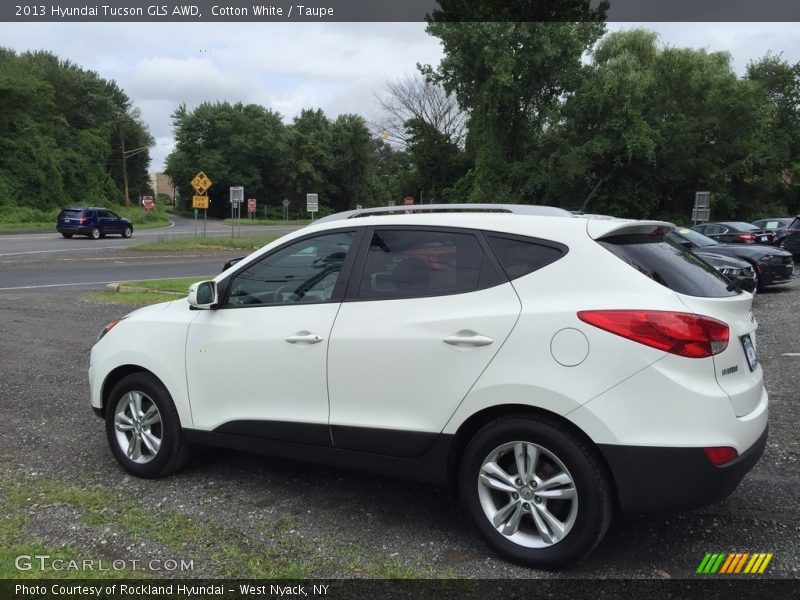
(42, 261)
(302, 511)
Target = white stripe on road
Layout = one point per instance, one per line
(54, 251)
(53, 285)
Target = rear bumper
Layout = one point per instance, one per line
(74, 229)
(655, 478)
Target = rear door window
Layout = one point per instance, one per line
(406, 263)
(669, 264)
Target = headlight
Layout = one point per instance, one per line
(107, 328)
(771, 259)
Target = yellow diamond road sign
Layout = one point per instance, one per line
(201, 183)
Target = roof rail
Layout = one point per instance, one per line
(516, 209)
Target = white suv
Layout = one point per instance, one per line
(551, 367)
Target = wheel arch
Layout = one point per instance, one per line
(467, 430)
(114, 377)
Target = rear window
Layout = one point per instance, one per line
(70, 214)
(669, 264)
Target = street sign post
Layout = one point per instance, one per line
(237, 197)
(148, 204)
(312, 204)
(200, 183)
(251, 207)
(701, 212)
(285, 205)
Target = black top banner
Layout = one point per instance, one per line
(400, 10)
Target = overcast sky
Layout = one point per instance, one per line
(338, 67)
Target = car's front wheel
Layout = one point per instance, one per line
(127, 232)
(536, 492)
(143, 427)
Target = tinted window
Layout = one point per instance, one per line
(669, 264)
(743, 226)
(693, 238)
(407, 264)
(520, 257)
(70, 214)
(102, 214)
(303, 272)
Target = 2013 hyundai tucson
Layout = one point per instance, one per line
(552, 368)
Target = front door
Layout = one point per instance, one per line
(257, 365)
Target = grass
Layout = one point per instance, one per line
(270, 222)
(248, 243)
(275, 550)
(151, 291)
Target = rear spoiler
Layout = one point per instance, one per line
(598, 228)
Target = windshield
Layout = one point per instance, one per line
(681, 234)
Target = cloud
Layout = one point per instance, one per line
(338, 67)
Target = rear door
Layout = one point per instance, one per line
(427, 310)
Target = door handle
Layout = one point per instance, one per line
(468, 338)
(304, 337)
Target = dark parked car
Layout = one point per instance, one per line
(93, 222)
(777, 225)
(739, 271)
(735, 232)
(791, 243)
(772, 265)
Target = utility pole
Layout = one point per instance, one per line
(124, 163)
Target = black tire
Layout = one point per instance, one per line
(67, 235)
(173, 451)
(95, 233)
(586, 516)
(127, 232)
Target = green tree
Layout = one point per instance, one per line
(59, 134)
(780, 82)
(509, 77)
(352, 174)
(648, 127)
(234, 145)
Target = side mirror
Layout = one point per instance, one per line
(203, 295)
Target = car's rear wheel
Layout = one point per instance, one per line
(127, 232)
(537, 493)
(67, 235)
(143, 427)
(94, 233)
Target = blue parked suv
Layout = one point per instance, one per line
(93, 222)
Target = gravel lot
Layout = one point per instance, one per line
(234, 514)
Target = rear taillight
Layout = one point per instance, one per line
(747, 238)
(720, 455)
(82, 220)
(684, 334)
